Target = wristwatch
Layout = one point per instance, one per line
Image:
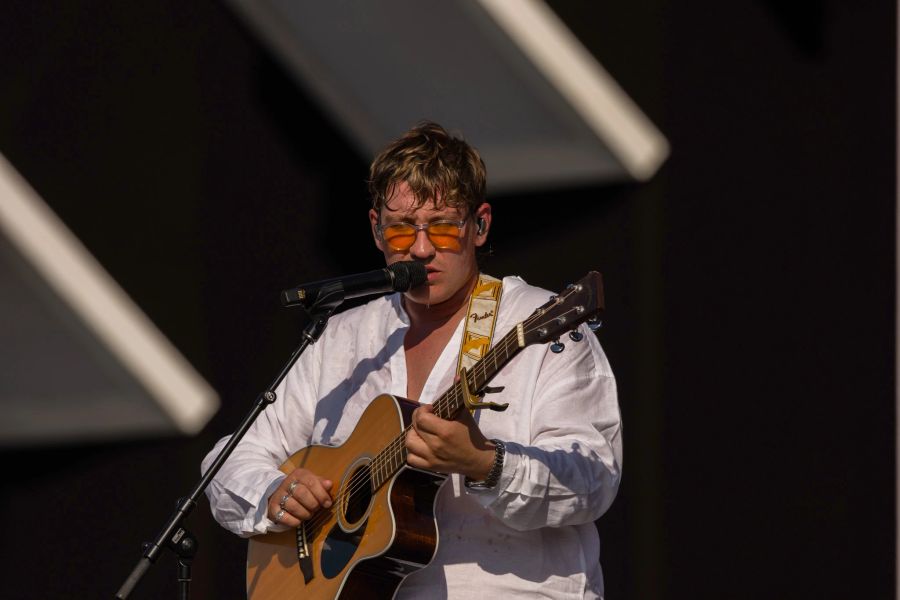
(493, 475)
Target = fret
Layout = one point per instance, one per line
(396, 457)
(448, 403)
(455, 400)
(382, 473)
(477, 376)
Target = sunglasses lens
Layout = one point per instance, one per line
(444, 235)
(400, 236)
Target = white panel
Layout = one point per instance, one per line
(107, 313)
(508, 75)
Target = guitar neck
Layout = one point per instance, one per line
(452, 401)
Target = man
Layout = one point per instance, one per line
(516, 514)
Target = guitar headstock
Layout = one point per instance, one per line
(576, 304)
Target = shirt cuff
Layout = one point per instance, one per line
(261, 521)
(511, 462)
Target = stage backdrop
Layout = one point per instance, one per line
(750, 284)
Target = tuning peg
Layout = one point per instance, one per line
(557, 346)
(576, 336)
(594, 323)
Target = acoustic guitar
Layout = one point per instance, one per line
(381, 525)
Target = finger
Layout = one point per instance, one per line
(415, 419)
(422, 412)
(275, 505)
(412, 436)
(304, 496)
(297, 510)
(425, 421)
(427, 461)
(432, 446)
(417, 462)
(415, 445)
(319, 488)
(420, 443)
(282, 518)
(413, 441)
(421, 457)
(418, 454)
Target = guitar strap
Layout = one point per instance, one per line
(480, 320)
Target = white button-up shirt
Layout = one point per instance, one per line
(533, 533)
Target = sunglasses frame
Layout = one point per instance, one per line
(426, 227)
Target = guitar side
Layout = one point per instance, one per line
(370, 556)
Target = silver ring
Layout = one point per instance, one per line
(292, 487)
(278, 516)
(284, 499)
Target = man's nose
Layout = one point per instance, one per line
(422, 247)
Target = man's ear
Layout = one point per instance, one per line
(482, 223)
(373, 221)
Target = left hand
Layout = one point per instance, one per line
(456, 446)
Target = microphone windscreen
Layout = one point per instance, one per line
(408, 274)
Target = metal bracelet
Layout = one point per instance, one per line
(493, 475)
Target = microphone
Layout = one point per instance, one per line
(398, 277)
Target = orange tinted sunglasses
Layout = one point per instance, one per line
(444, 234)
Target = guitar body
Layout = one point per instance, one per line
(367, 543)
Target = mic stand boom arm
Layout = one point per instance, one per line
(173, 535)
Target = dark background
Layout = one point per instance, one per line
(750, 284)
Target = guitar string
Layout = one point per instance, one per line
(397, 445)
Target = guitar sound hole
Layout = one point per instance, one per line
(344, 538)
(358, 495)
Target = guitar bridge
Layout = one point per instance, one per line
(302, 545)
(304, 558)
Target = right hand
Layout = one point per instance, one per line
(309, 495)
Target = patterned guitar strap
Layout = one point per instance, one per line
(480, 320)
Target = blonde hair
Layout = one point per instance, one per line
(434, 164)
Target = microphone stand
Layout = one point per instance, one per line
(175, 537)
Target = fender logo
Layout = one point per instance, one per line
(476, 317)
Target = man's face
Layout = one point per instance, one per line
(449, 270)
